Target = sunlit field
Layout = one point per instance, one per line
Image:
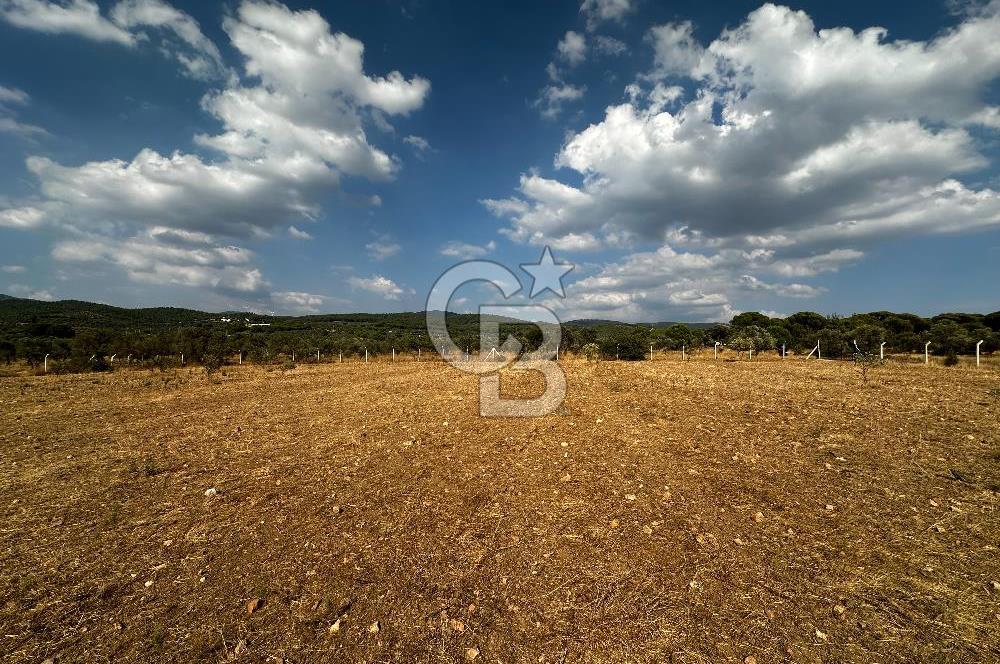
(695, 511)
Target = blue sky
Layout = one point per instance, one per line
(691, 161)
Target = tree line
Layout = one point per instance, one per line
(81, 339)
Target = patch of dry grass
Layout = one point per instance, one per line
(694, 512)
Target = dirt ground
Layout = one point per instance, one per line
(691, 512)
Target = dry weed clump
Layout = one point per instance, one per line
(695, 512)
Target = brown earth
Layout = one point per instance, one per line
(692, 512)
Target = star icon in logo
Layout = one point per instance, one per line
(546, 274)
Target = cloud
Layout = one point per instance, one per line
(198, 56)
(8, 122)
(379, 250)
(298, 234)
(11, 269)
(609, 45)
(752, 283)
(12, 96)
(291, 131)
(20, 290)
(379, 285)
(552, 98)
(572, 48)
(419, 144)
(791, 139)
(23, 218)
(80, 17)
(668, 284)
(675, 50)
(167, 256)
(600, 11)
(466, 251)
(298, 302)
(296, 51)
(196, 53)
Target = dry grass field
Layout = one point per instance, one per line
(690, 512)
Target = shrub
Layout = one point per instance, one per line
(288, 365)
(950, 360)
(592, 352)
(866, 361)
(212, 363)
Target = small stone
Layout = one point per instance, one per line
(758, 517)
(614, 523)
(471, 653)
(149, 583)
(565, 478)
(749, 659)
(456, 625)
(822, 636)
(629, 496)
(374, 628)
(647, 530)
(211, 493)
(335, 627)
(254, 605)
(838, 610)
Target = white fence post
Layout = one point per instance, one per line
(341, 356)
(881, 351)
(45, 363)
(717, 349)
(317, 356)
(927, 358)
(819, 351)
(977, 351)
(683, 353)
(182, 359)
(366, 354)
(113, 356)
(751, 352)
(557, 352)
(782, 351)
(650, 352)
(241, 358)
(394, 354)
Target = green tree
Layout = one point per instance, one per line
(868, 337)
(949, 338)
(751, 338)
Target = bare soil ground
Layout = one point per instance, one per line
(691, 512)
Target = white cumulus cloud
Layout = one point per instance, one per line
(776, 136)
(379, 285)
